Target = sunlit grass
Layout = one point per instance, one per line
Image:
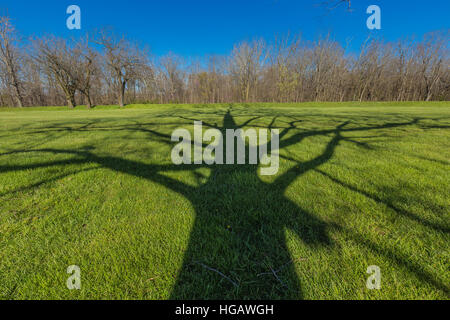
(97, 188)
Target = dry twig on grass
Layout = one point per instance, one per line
(218, 272)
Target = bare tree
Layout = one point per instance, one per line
(124, 61)
(87, 68)
(246, 62)
(173, 77)
(430, 58)
(35, 89)
(10, 58)
(57, 71)
(59, 60)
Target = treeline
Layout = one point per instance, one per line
(105, 69)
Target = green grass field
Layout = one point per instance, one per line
(359, 184)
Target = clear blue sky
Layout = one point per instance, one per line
(198, 27)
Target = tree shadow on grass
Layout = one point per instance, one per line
(237, 247)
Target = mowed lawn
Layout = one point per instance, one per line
(359, 184)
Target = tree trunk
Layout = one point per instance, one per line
(71, 101)
(15, 84)
(122, 94)
(18, 98)
(87, 98)
(89, 101)
(18, 95)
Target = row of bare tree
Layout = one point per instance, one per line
(104, 69)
